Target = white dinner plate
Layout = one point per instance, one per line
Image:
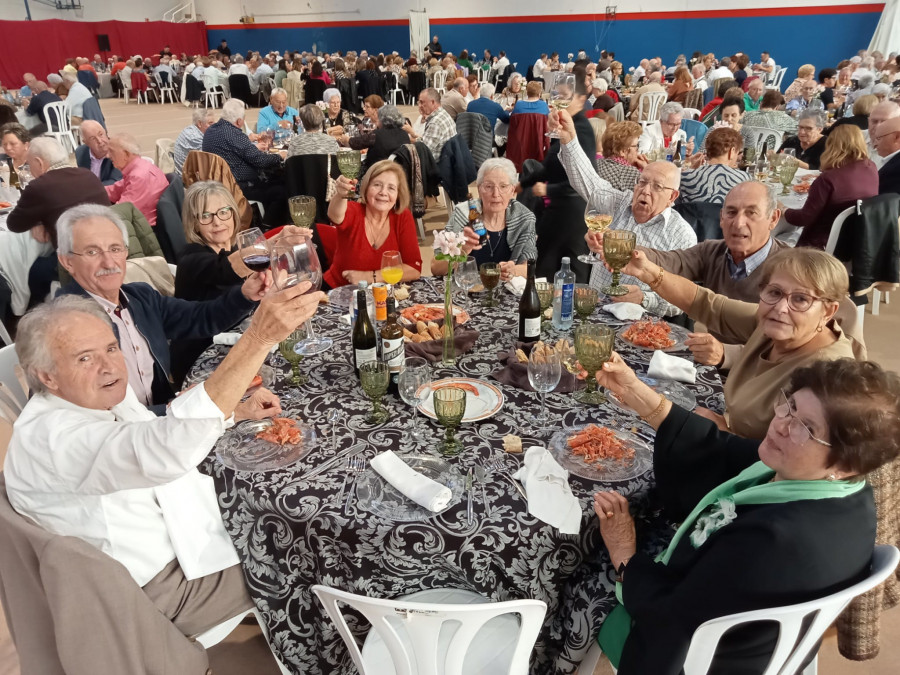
(487, 403)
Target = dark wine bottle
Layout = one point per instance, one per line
(365, 345)
(530, 309)
(393, 347)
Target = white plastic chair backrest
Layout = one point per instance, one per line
(440, 78)
(58, 117)
(211, 79)
(654, 100)
(776, 80)
(423, 622)
(162, 85)
(12, 396)
(126, 85)
(835, 233)
(396, 78)
(165, 159)
(691, 113)
(762, 134)
(796, 639)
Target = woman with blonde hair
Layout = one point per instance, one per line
(616, 69)
(805, 73)
(847, 175)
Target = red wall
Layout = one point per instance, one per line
(42, 47)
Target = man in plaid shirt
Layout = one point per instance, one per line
(439, 126)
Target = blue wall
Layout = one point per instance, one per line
(824, 39)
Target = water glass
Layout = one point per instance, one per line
(544, 371)
(467, 276)
(414, 383)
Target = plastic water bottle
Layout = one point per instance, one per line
(563, 297)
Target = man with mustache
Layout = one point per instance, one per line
(93, 248)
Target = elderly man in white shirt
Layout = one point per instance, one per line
(666, 131)
(501, 63)
(722, 71)
(881, 113)
(86, 459)
(76, 97)
(647, 211)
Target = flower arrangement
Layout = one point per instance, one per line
(448, 246)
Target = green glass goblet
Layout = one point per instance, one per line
(593, 347)
(449, 408)
(545, 296)
(786, 174)
(585, 301)
(286, 349)
(374, 376)
(618, 245)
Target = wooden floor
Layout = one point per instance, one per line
(245, 651)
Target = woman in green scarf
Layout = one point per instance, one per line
(763, 523)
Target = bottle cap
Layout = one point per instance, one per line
(566, 260)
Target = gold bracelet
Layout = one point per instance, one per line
(657, 410)
(656, 282)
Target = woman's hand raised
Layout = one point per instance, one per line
(343, 186)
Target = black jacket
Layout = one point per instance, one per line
(771, 555)
(457, 168)
(387, 142)
(108, 173)
(889, 176)
(870, 242)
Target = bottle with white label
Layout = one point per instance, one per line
(392, 347)
(365, 345)
(564, 297)
(530, 310)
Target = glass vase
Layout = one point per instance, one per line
(449, 354)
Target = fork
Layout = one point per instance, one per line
(499, 466)
(339, 498)
(357, 466)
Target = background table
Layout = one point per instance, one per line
(290, 535)
(105, 89)
(26, 120)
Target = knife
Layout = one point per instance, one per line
(470, 516)
(334, 461)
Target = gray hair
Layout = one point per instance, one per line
(601, 84)
(495, 163)
(329, 94)
(865, 80)
(881, 88)
(817, 116)
(34, 331)
(669, 109)
(487, 90)
(311, 117)
(69, 79)
(459, 83)
(199, 115)
(278, 91)
(49, 150)
(127, 142)
(237, 59)
(390, 117)
(233, 110)
(196, 197)
(66, 223)
(433, 94)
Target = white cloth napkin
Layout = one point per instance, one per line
(516, 285)
(670, 367)
(230, 339)
(549, 496)
(625, 311)
(421, 489)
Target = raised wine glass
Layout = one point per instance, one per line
(254, 249)
(490, 279)
(596, 221)
(414, 383)
(586, 297)
(287, 349)
(391, 268)
(374, 376)
(349, 162)
(303, 210)
(449, 408)
(545, 297)
(294, 260)
(561, 94)
(467, 276)
(618, 245)
(593, 347)
(544, 371)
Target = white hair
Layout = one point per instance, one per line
(233, 110)
(49, 150)
(495, 163)
(669, 109)
(278, 91)
(127, 142)
(882, 88)
(70, 218)
(487, 90)
(329, 94)
(865, 80)
(199, 115)
(601, 84)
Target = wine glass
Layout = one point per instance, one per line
(374, 376)
(391, 268)
(467, 276)
(294, 260)
(545, 297)
(254, 249)
(449, 408)
(349, 162)
(585, 301)
(414, 383)
(749, 157)
(544, 371)
(618, 245)
(561, 94)
(287, 349)
(303, 210)
(786, 174)
(593, 347)
(596, 221)
(490, 279)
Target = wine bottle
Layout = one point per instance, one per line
(676, 158)
(530, 310)
(365, 347)
(762, 162)
(563, 297)
(476, 222)
(392, 349)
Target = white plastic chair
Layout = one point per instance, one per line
(12, 396)
(775, 82)
(164, 89)
(126, 86)
(801, 626)
(440, 79)
(762, 134)
(409, 637)
(396, 90)
(59, 124)
(837, 225)
(165, 154)
(691, 114)
(653, 100)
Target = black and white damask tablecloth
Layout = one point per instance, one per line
(290, 534)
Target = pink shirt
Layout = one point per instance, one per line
(142, 184)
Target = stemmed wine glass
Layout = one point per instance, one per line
(618, 245)
(786, 174)
(544, 371)
(287, 350)
(596, 221)
(414, 383)
(467, 277)
(449, 409)
(303, 210)
(545, 297)
(391, 268)
(593, 347)
(561, 94)
(294, 260)
(349, 162)
(586, 297)
(374, 376)
(254, 249)
(490, 279)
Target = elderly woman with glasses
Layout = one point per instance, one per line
(792, 325)
(779, 520)
(336, 118)
(509, 223)
(809, 143)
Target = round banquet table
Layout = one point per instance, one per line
(26, 120)
(289, 533)
(105, 85)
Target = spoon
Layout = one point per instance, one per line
(481, 477)
(333, 415)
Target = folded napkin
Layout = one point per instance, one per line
(421, 489)
(230, 339)
(670, 367)
(516, 285)
(550, 498)
(624, 311)
(515, 374)
(433, 350)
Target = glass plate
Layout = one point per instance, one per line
(241, 450)
(672, 390)
(605, 470)
(678, 334)
(487, 403)
(340, 296)
(375, 495)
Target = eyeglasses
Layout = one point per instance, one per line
(797, 301)
(490, 188)
(798, 432)
(116, 251)
(222, 214)
(641, 183)
(890, 133)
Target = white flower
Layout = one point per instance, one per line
(717, 517)
(449, 243)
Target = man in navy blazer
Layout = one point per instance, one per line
(887, 144)
(94, 154)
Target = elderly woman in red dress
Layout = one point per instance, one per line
(380, 221)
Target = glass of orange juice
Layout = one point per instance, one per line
(391, 268)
